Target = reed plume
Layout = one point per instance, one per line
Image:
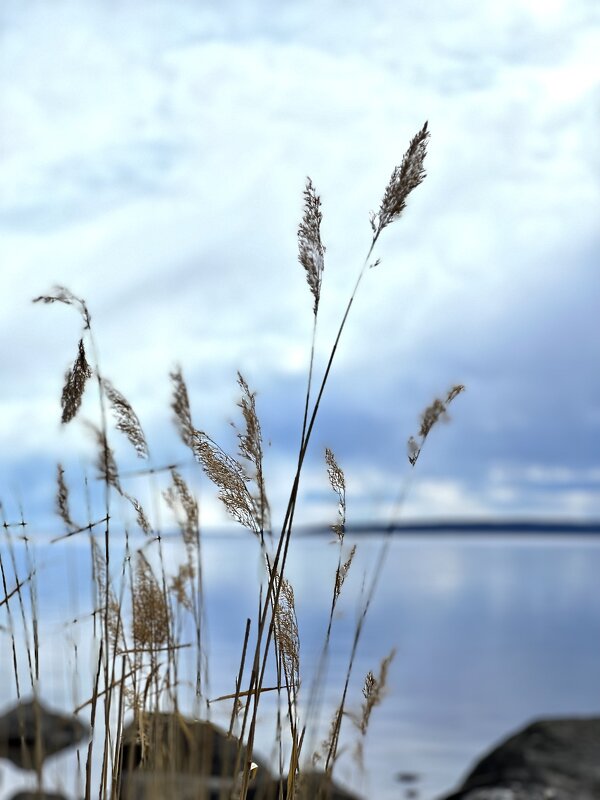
(438, 410)
(337, 481)
(75, 381)
(151, 618)
(310, 248)
(410, 174)
(62, 498)
(127, 420)
(250, 448)
(60, 294)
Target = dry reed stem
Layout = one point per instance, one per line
(62, 498)
(181, 408)
(341, 574)
(127, 420)
(60, 294)
(151, 623)
(287, 636)
(404, 179)
(373, 692)
(240, 675)
(250, 448)
(184, 506)
(74, 387)
(231, 477)
(310, 248)
(438, 410)
(410, 174)
(337, 482)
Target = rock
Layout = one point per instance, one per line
(313, 785)
(29, 733)
(552, 759)
(168, 755)
(171, 756)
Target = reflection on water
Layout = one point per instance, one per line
(489, 632)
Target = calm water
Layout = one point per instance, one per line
(489, 632)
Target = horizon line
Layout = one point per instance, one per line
(469, 526)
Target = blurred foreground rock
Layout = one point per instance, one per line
(312, 785)
(553, 759)
(168, 756)
(29, 733)
(171, 756)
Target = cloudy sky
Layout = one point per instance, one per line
(153, 160)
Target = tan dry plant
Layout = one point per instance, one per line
(337, 482)
(438, 410)
(310, 248)
(151, 618)
(373, 693)
(127, 420)
(62, 498)
(75, 381)
(410, 174)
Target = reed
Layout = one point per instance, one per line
(145, 609)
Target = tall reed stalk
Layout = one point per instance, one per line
(145, 611)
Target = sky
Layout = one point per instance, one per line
(153, 161)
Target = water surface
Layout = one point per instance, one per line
(490, 633)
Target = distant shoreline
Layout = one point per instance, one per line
(467, 527)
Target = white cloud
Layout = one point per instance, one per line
(154, 163)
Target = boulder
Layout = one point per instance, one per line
(312, 786)
(551, 759)
(29, 733)
(169, 755)
(172, 756)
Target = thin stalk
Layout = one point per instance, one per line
(283, 544)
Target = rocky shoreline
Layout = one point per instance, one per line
(549, 759)
(166, 755)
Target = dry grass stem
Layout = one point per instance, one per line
(438, 410)
(373, 692)
(184, 506)
(231, 479)
(179, 586)
(143, 617)
(181, 408)
(151, 619)
(287, 636)
(310, 248)
(60, 294)
(75, 381)
(62, 498)
(222, 469)
(140, 514)
(127, 420)
(404, 179)
(342, 572)
(19, 585)
(105, 460)
(250, 448)
(337, 482)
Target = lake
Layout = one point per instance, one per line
(490, 632)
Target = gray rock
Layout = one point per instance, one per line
(169, 755)
(313, 786)
(552, 759)
(29, 733)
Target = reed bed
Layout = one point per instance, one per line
(147, 612)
